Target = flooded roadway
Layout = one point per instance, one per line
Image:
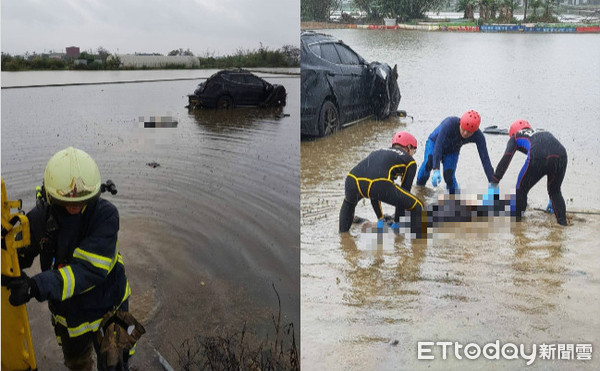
(206, 234)
(366, 305)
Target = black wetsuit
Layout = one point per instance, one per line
(373, 178)
(545, 156)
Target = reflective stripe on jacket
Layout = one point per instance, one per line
(87, 276)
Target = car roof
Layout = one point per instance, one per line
(312, 37)
(235, 70)
(232, 71)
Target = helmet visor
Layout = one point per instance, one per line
(73, 202)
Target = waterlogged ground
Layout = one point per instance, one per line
(368, 300)
(197, 233)
(374, 299)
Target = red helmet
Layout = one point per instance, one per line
(470, 121)
(404, 139)
(518, 126)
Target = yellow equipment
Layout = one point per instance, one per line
(17, 346)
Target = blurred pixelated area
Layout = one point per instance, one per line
(454, 216)
(158, 122)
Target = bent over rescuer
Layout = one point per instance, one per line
(546, 156)
(374, 178)
(443, 146)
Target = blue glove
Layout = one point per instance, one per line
(436, 178)
(549, 208)
(380, 223)
(488, 199)
(396, 227)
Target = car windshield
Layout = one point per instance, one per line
(346, 55)
(237, 78)
(329, 53)
(315, 48)
(251, 79)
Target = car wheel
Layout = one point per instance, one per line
(329, 119)
(224, 102)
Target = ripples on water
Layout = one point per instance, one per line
(205, 234)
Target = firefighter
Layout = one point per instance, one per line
(74, 231)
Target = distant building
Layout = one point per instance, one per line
(57, 56)
(73, 52)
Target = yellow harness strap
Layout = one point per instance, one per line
(358, 184)
(388, 179)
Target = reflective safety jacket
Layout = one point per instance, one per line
(83, 276)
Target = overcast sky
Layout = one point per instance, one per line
(128, 26)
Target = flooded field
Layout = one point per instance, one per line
(366, 304)
(207, 234)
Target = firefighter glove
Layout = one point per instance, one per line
(22, 289)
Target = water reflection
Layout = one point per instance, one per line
(538, 267)
(324, 159)
(197, 231)
(219, 120)
(378, 278)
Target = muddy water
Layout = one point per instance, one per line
(207, 234)
(366, 304)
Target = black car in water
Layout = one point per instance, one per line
(236, 87)
(340, 88)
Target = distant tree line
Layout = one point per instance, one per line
(287, 56)
(36, 62)
(503, 10)
(407, 10)
(182, 52)
(101, 60)
(319, 10)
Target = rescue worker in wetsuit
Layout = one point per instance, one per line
(374, 178)
(545, 156)
(443, 146)
(83, 277)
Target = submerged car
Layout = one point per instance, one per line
(236, 87)
(340, 88)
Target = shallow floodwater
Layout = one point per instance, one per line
(367, 303)
(207, 234)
